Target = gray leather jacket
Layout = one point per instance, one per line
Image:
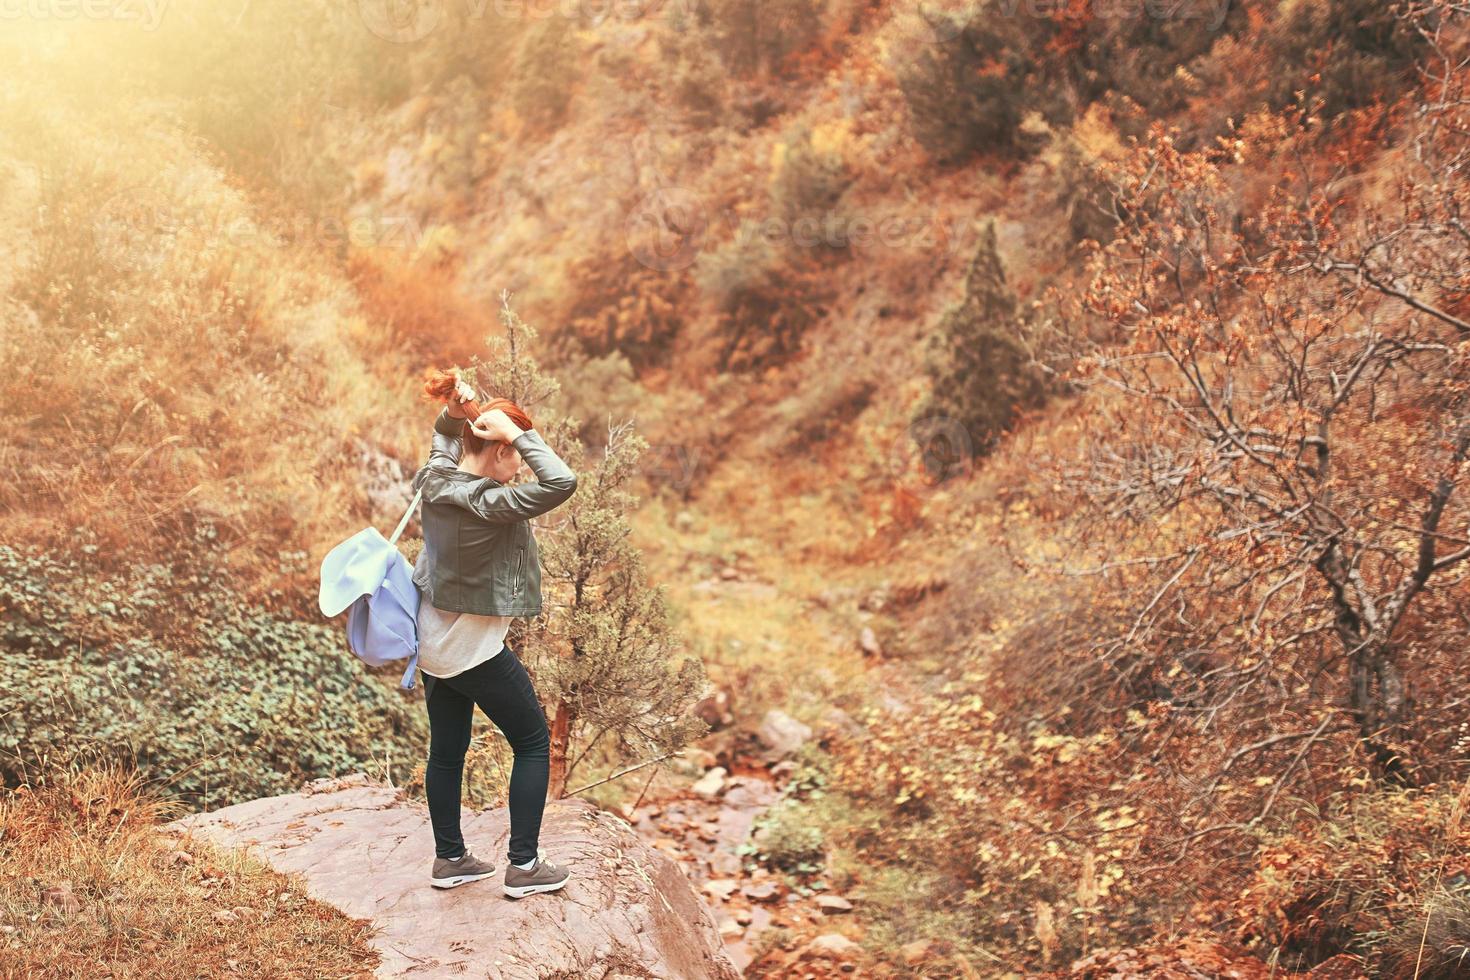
(479, 554)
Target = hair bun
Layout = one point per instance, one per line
(441, 386)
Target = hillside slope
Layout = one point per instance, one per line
(770, 233)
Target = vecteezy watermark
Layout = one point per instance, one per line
(666, 229)
(938, 22)
(281, 231)
(401, 21)
(671, 466)
(669, 228)
(1213, 12)
(365, 232)
(932, 22)
(407, 21)
(932, 450)
(840, 229)
(148, 14)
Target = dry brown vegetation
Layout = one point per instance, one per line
(1150, 669)
(93, 888)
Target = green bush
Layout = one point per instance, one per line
(969, 94)
(221, 703)
(989, 67)
(765, 303)
(1361, 50)
(785, 838)
(698, 81)
(1138, 57)
(789, 835)
(811, 180)
(758, 35)
(981, 372)
(547, 71)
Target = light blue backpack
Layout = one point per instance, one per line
(368, 577)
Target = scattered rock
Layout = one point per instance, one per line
(708, 786)
(833, 904)
(782, 733)
(868, 642)
(747, 792)
(702, 758)
(381, 477)
(717, 710)
(1192, 956)
(894, 704)
(724, 863)
(743, 916)
(721, 888)
(832, 944)
(875, 601)
(225, 915)
(742, 954)
(61, 896)
(836, 720)
(181, 857)
(915, 952)
(730, 929)
(763, 892)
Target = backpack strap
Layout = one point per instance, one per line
(408, 679)
(406, 515)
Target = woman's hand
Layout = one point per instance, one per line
(465, 393)
(496, 426)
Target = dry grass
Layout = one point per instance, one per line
(144, 902)
(179, 378)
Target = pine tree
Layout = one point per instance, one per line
(979, 367)
(603, 652)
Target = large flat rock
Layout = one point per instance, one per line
(628, 910)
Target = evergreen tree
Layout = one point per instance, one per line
(603, 652)
(981, 372)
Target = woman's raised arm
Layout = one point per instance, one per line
(446, 445)
(500, 504)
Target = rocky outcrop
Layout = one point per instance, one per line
(367, 849)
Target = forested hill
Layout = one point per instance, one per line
(1059, 406)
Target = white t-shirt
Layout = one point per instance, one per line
(453, 642)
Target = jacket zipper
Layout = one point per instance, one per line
(520, 564)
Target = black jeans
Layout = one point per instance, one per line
(502, 689)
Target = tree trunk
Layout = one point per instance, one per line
(561, 737)
(1376, 696)
(1375, 683)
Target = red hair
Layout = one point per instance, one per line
(439, 386)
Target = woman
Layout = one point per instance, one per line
(478, 570)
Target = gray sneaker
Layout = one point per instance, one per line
(543, 876)
(448, 874)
